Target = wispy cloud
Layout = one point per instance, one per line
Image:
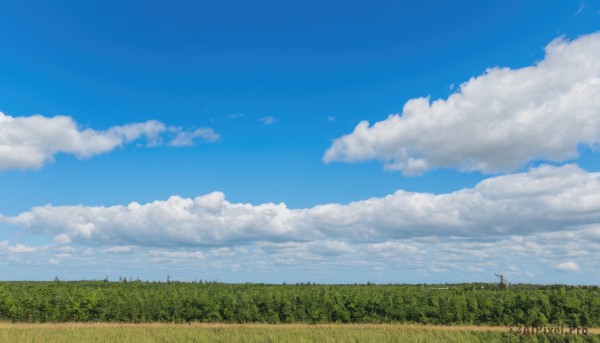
(524, 257)
(580, 9)
(235, 116)
(268, 120)
(188, 137)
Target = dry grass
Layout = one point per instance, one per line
(477, 328)
(221, 332)
(466, 328)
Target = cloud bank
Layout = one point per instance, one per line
(496, 122)
(536, 226)
(542, 200)
(30, 142)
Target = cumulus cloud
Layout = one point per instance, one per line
(542, 200)
(495, 122)
(30, 142)
(205, 220)
(567, 266)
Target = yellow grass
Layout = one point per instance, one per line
(221, 332)
(5, 325)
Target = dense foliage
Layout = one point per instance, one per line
(242, 303)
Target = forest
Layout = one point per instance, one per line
(176, 302)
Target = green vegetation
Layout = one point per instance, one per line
(137, 302)
(263, 333)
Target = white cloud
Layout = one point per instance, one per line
(543, 200)
(119, 249)
(207, 219)
(62, 238)
(187, 137)
(178, 255)
(526, 257)
(18, 248)
(567, 266)
(30, 142)
(495, 122)
(390, 248)
(235, 116)
(268, 120)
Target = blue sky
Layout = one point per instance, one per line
(246, 116)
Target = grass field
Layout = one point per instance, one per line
(102, 332)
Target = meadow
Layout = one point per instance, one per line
(78, 332)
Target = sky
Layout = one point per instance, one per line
(300, 141)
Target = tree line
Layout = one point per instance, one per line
(479, 304)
